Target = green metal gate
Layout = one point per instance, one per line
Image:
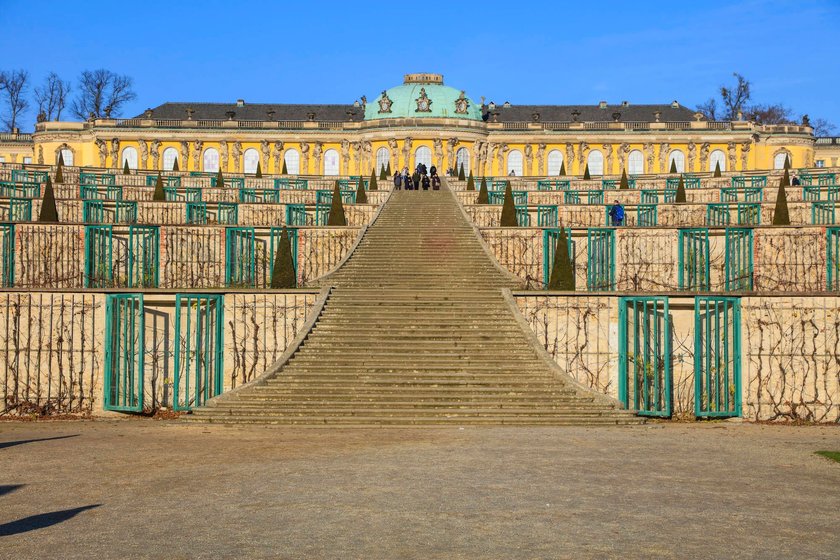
(124, 352)
(198, 349)
(240, 257)
(600, 256)
(7, 255)
(550, 237)
(99, 253)
(645, 375)
(822, 213)
(143, 256)
(717, 357)
(738, 262)
(832, 260)
(20, 210)
(694, 259)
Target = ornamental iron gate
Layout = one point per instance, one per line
(717, 357)
(738, 262)
(694, 259)
(645, 375)
(240, 257)
(7, 255)
(600, 256)
(198, 349)
(143, 260)
(124, 352)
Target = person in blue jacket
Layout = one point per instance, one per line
(617, 214)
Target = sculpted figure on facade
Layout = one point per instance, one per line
(154, 149)
(317, 150)
(529, 159)
(395, 154)
(483, 156)
(730, 149)
(450, 152)
(40, 155)
(103, 151)
(692, 155)
(198, 145)
(278, 156)
(184, 162)
(745, 153)
(357, 155)
(407, 143)
(345, 156)
(265, 149)
(503, 150)
(649, 156)
(304, 158)
(570, 155)
(583, 148)
(541, 160)
(115, 153)
(623, 152)
(236, 154)
(367, 156)
(608, 158)
(663, 156)
(704, 155)
(438, 151)
(223, 155)
(144, 153)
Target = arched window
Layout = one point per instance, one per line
(635, 163)
(779, 160)
(169, 157)
(423, 155)
(211, 159)
(462, 157)
(67, 156)
(250, 159)
(717, 157)
(678, 158)
(383, 157)
(555, 162)
(292, 159)
(596, 162)
(514, 163)
(331, 162)
(129, 155)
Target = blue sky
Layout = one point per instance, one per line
(330, 52)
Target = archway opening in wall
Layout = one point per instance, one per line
(211, 160)
(383, 157)
(514, 163)
(462, 158)
(716, 157)
(169, 156)
(779, 160)
(635, 163)
(331, 165)
(555, 162)
(292, 159)
(678, 158)
(250, 159)
(67, 156)
(129, 155)
(423, 155)
(596, 162)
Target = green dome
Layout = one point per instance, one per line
(421, 96)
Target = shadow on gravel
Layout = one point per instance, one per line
(9, 488)
(5, 444)
(41, 521)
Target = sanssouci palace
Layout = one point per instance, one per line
(421, 120)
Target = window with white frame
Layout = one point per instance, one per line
(423, 155)
(555, 162)
(250, 160)
(779, 160)
(383, 157)
(210, 160)
(514, 163)
(635, 163)
(715, 158)
(331, 165)
(678, 159)
(462, 158)
(595, 160)
(292, 159)
(67, 156)
(169, 157)
(129, 155)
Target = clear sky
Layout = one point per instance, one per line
(523, 52)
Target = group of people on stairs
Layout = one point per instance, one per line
(421, 178)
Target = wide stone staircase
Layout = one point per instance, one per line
(417, 331)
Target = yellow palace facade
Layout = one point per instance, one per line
(423, 120)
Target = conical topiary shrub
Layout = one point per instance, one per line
(562, 168)
(126, 170)
(220, 179)
(175, 165)
(59, 174)
(787, 162)
(388, 169)
(717, 169)
(258, 174)
(159, 195)
(786, 179)
(586, 175)
(680, 197)
(508, 209)
(361, 195)
(673, 166)
(372, 186)
(383, 173)
(283, 274)
(336, 217)
(470, 182)
(781, 215)
(49, 213)
(461, 176)
(562, 271)
(483, 197)
(285, 170)
(624, 183)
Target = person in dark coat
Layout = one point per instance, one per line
(433, 171)
(406, 179)
(416, 180)
(435, 183)
(617, 214)
(426, 182)
(397, 180)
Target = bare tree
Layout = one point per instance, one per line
(709, 108)
(13, 88)
(822, 127)
(102, 93)
(770, 114)
(52, 97)
(735, 98)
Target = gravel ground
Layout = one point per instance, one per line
(151, 489)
